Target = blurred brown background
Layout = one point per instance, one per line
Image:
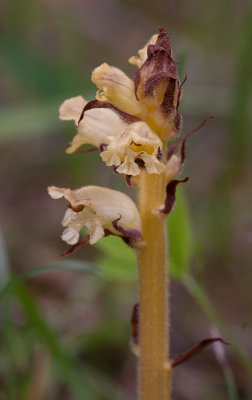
(48, 50)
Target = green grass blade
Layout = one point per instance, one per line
(231, 386)
(66, 366)
(180, 237)
(117, 260)
(85, 382)
(64, 265)
(4, 262)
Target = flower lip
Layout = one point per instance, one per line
(137, 142)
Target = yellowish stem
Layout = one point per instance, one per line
(154, 372)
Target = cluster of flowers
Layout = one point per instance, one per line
(131, 123)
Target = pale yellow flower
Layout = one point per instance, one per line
(97, 208)
(137, 144)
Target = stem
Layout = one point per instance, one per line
(154, 370)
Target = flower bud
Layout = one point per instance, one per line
(97, 208)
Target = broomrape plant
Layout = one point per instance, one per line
(132, 123)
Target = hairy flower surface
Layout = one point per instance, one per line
(97, 208)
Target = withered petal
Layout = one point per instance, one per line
(164, 65)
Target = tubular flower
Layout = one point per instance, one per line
(95, 128)
(136, 145)
(97, 208)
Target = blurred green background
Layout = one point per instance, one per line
(65, 324)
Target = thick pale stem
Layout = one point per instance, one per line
(154, 371)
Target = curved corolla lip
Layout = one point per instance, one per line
(137, 144)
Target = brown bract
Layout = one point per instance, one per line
(170, 195)
(104, 104)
